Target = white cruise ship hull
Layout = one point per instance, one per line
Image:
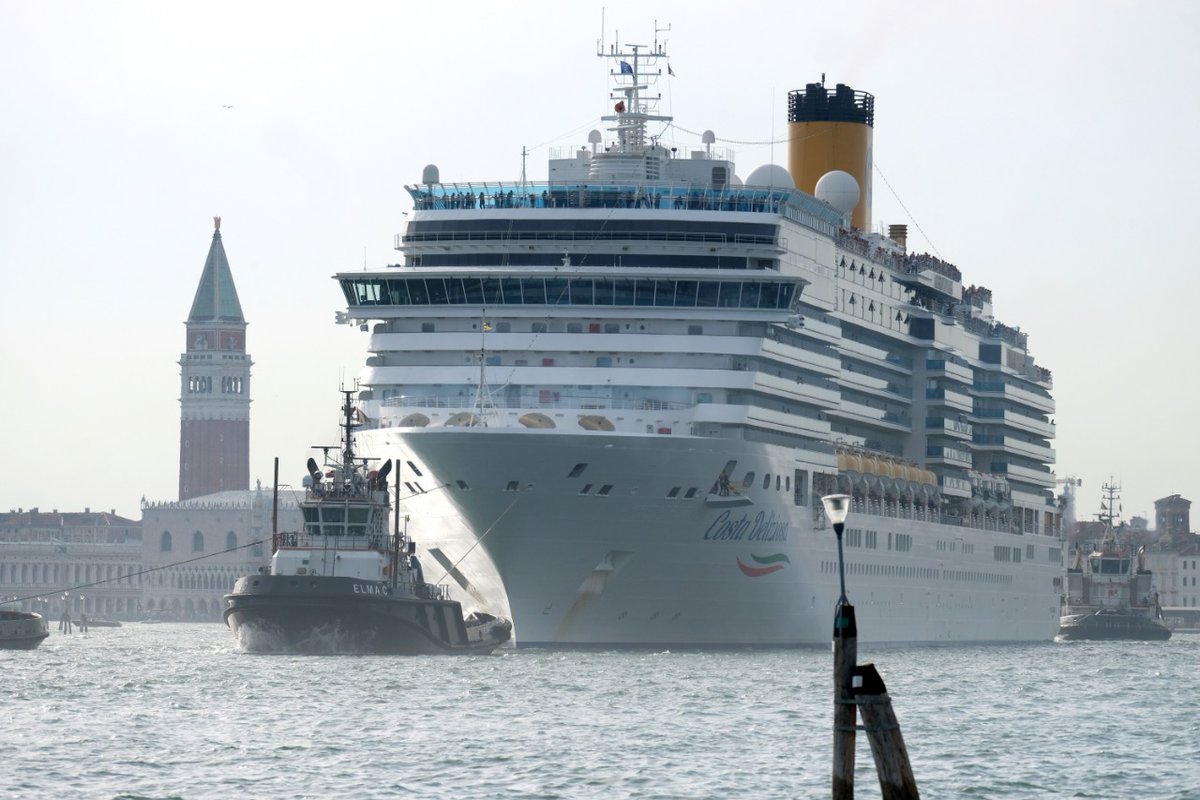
(510, 522)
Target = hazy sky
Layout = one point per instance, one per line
(1046, 148)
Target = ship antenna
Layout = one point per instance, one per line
(657, 31)
(636, 106)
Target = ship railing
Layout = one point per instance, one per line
(568, 235)
(916, 263)
(458, 196)
(433, 591)
(299, 539)
(426, 591)
(355, 491)
(895, 509)
(553, 400)
(570, 152)
(995, 330)
(854, 243)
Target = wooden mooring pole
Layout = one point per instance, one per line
(896, 781)
(845, 656)
(860, 689)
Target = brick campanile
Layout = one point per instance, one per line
(214, 425)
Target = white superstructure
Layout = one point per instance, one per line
(617, 394)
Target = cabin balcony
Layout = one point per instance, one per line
(948, 455)
(1042, 477)
(1024, 397)
(1011, 444)
(938, 367)
(954, 428)
(950, 399)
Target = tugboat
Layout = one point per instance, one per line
(1109, 595)
(344, 584)
(22, 630)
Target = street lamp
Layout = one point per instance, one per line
(837, 508)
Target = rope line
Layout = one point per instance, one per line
(491, 528)
(134, 574)
(916, 224)
(161, 567)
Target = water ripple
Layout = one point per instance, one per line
(174, 711)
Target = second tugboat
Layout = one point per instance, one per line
(21, 630)
(345, 584)
(1109, 593)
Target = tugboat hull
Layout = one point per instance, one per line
(1112, 627)
(22, 630)
(332, 615)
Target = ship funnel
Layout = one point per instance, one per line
(899, 235)
(828, 131)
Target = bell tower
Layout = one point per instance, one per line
(214, 426)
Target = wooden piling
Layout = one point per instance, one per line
(896, 781)
(856, 688)
(845, 656)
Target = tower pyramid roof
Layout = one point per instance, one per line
(216, 297)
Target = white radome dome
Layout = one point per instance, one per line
(839, 189)
(770, 175)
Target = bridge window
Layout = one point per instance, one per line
(759, 294)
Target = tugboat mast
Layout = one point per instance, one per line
(1109, 509)
(348, 428)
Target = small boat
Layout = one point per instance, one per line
(99, 623)
(345, 584)
(22, 630)
(1109, 594)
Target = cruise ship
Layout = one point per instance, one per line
(617, 393)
